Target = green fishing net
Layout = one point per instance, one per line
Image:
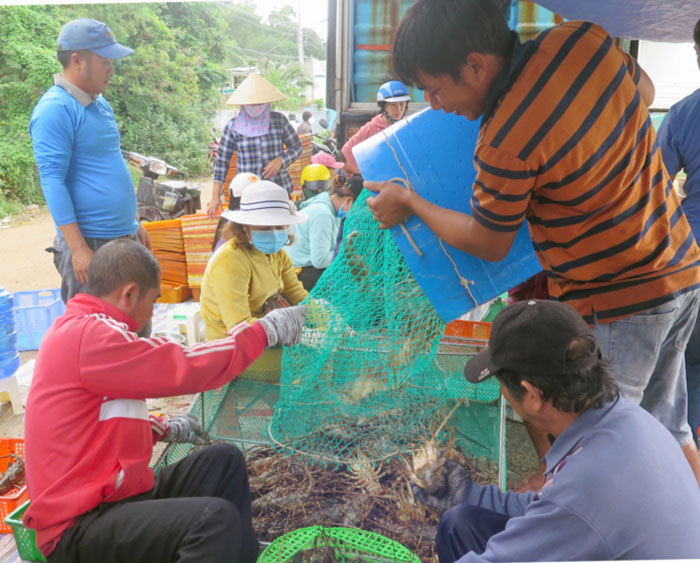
(374, 373)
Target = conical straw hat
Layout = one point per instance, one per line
(255, 89)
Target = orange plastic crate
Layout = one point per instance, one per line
(174, 294)
(17, 496)
(468, 329)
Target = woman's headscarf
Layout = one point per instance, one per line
(253, 120)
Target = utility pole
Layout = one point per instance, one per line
(300, 37)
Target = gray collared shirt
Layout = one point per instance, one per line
(84, 99)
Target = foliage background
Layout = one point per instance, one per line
(164, 95)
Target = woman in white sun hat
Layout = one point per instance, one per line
(251, 273)
(258, 136)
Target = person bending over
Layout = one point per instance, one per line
(89, 436)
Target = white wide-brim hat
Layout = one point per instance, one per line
(265, 204)
(255, 89)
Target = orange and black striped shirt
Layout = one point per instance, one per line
(568, 144)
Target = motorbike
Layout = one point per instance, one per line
(158, 201)
(319, 143)
(213, 149)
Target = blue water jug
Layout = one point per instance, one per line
(9, 357)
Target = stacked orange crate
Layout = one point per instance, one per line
(230, 175)
(299, 164)
(169, 250)
(198, 236)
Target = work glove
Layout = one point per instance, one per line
(184, 429)
(457, 479)
(283, 326)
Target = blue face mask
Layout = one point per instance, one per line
(269, 242)
(342, 212)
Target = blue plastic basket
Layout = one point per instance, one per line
(35, 311)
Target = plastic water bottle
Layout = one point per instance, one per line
(9, 357)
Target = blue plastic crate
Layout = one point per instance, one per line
(35, 311)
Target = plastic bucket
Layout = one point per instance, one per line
(9, 356)
(435, 150)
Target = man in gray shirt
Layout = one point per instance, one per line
(617, 485)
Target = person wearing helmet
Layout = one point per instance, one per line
(315, 178)
(224, 230)
(392, 99)
(251, 270)
(264, 142)
(315, 241)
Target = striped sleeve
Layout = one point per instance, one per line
(570, 147)
(502, 190)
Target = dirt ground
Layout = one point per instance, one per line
(26, 266)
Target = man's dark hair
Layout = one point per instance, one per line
(696, 33)
(64, 56)
(435, 37)
(572, 391)
(119, 262)
(306, 116)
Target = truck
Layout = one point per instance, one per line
(361, 32)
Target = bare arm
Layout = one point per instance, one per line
(81, 253)
(214, 205)
(394, 204)
(646, 87)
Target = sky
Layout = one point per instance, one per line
(314, 13)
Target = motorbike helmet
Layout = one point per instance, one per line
(315, 178)
(238, 184)
(392, 91)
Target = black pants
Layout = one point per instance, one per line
(464, 528)
(309, 276)
(198, 511)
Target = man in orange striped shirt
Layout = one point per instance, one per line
(566, 143)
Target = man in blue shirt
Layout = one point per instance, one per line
(617, 486)
(85, 180)
(679, 139)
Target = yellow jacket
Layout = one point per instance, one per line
(238, 281)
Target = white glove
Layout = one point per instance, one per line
(283, 326)
(184, 429)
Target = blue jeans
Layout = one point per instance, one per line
(692, 376)
(63, 261)
(464, 528)
(646, 354)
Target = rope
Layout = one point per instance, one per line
(406, 183)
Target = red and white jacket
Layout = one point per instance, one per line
(88, 438)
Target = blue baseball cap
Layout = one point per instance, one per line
(91, 35)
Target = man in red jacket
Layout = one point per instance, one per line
(89, 438)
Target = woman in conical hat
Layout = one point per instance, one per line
(264, 141)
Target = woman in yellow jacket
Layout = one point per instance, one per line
(252, 269)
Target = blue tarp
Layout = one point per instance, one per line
(652, 20)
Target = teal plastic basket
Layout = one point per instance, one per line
(343, 544)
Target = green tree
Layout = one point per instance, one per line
(26, 68)
(164, 95)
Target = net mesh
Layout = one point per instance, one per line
(374, 373)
